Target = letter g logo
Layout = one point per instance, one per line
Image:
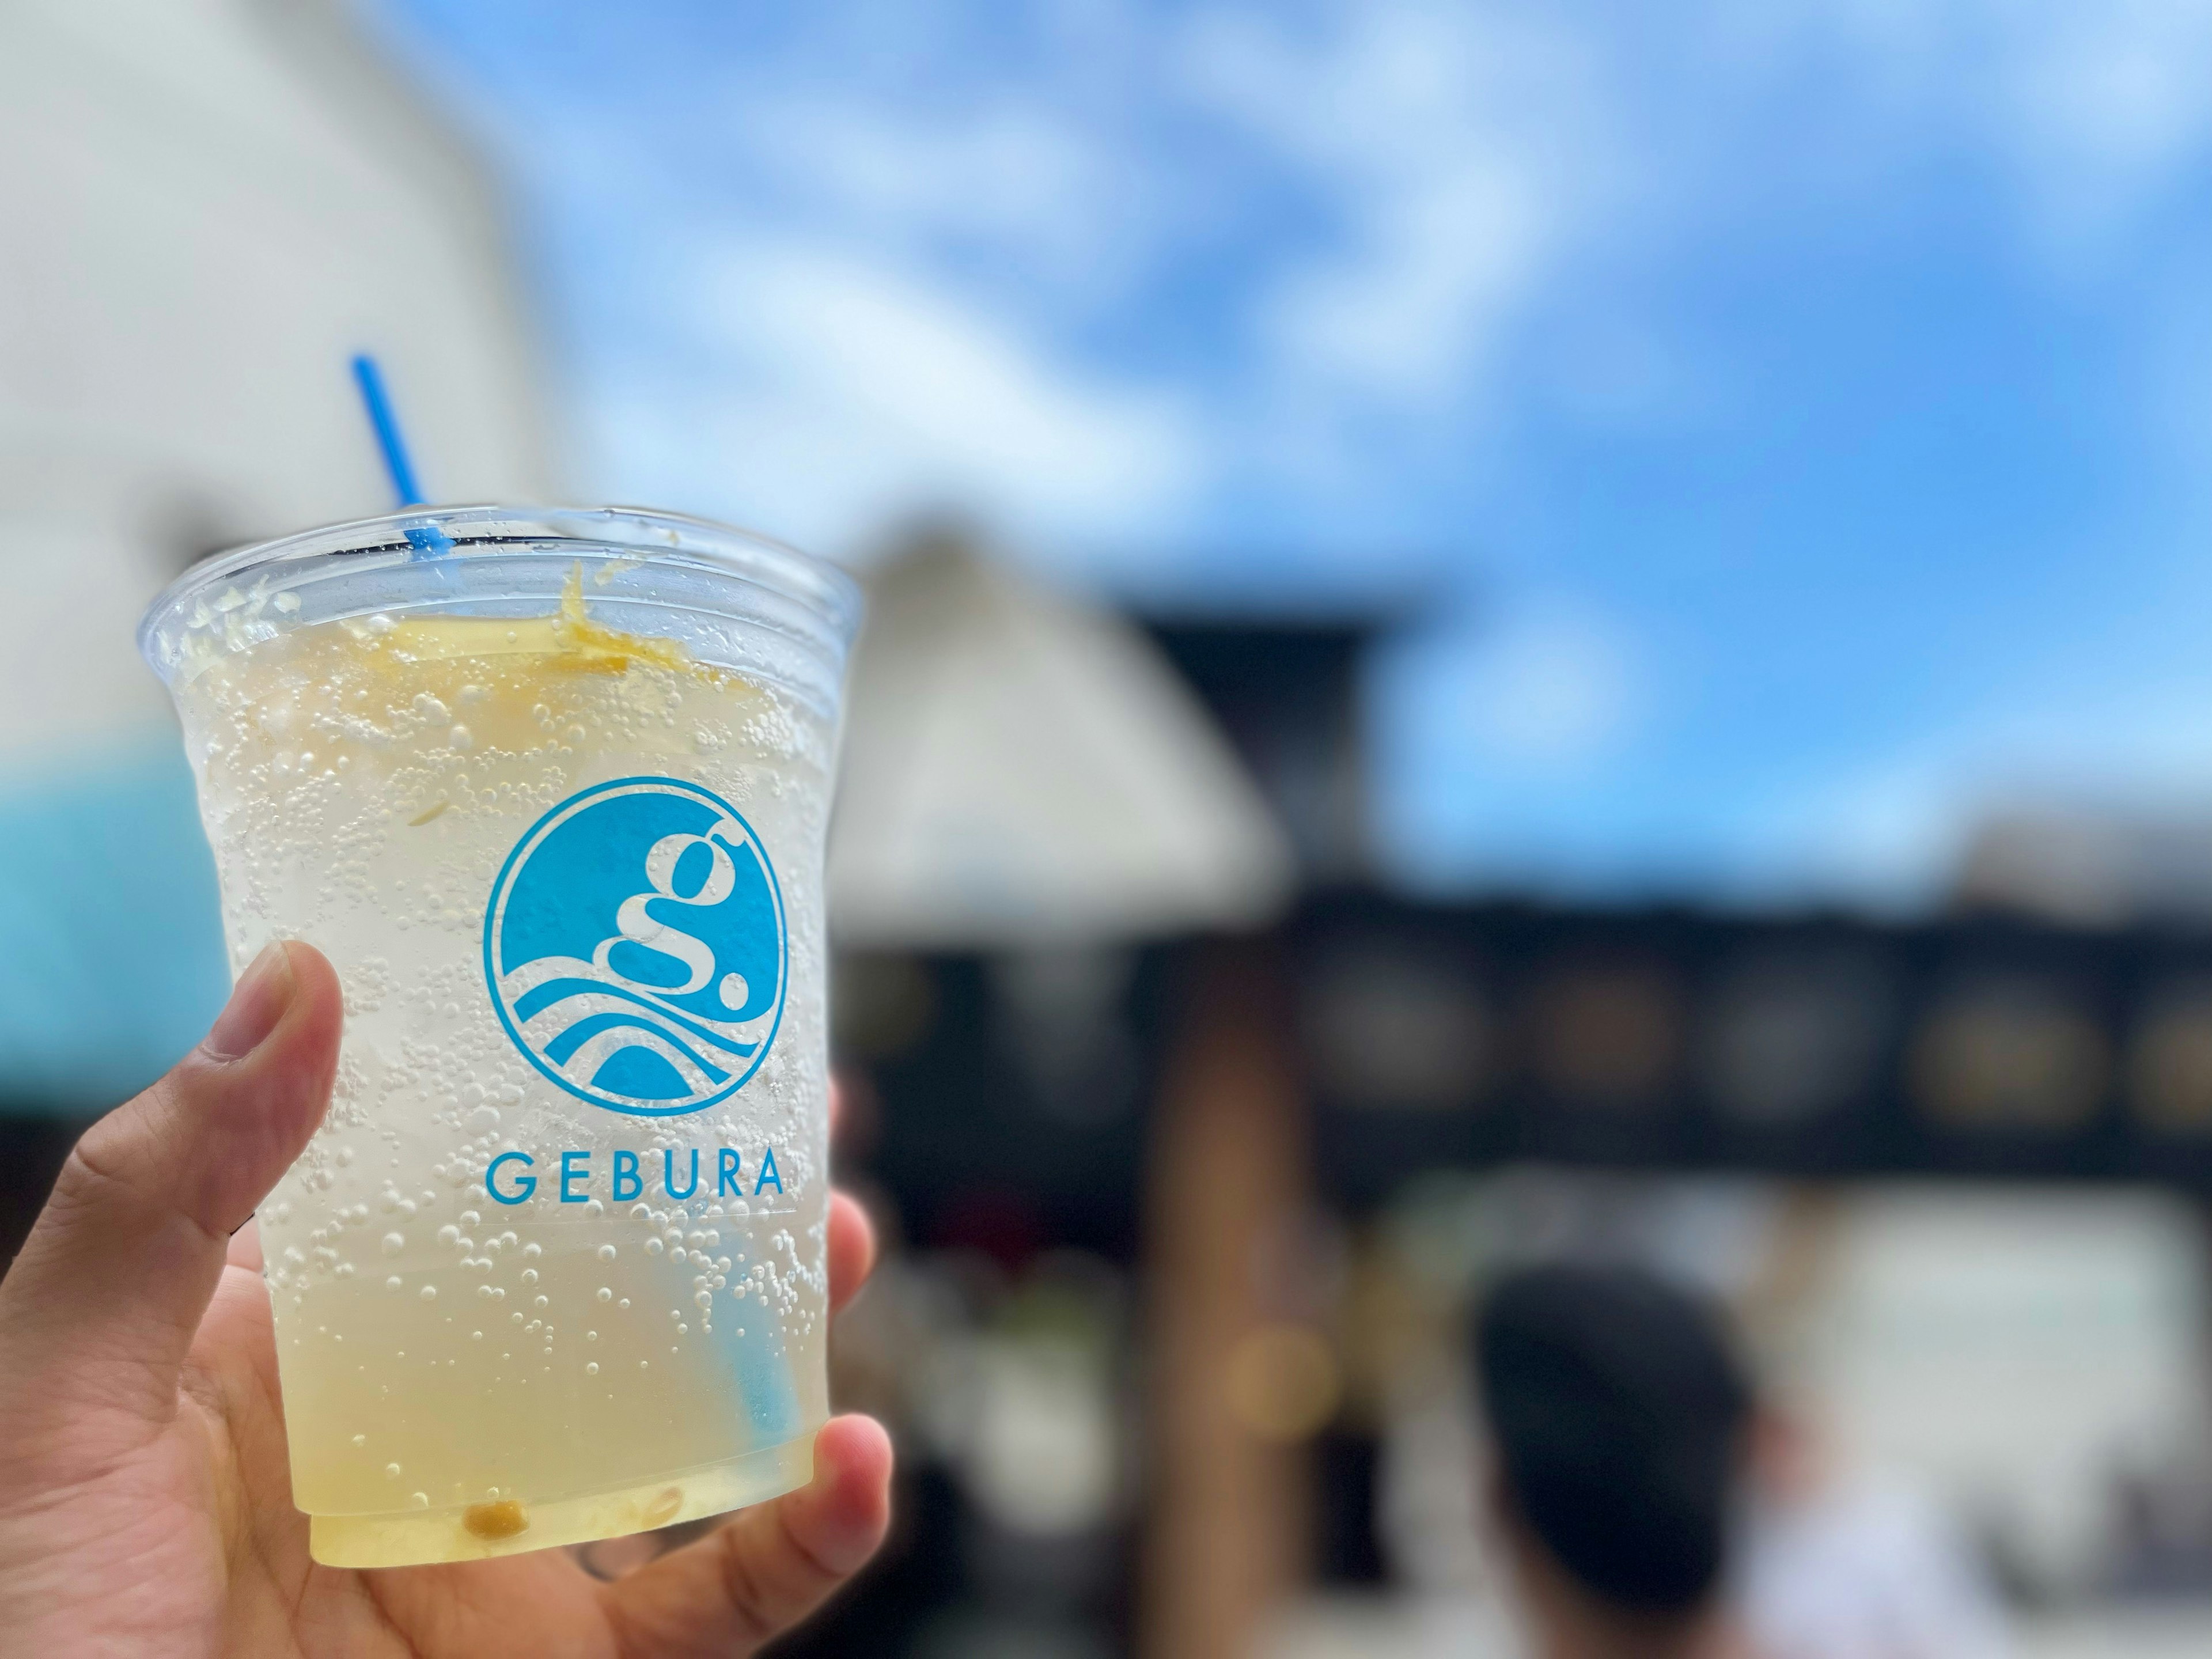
(635, 950)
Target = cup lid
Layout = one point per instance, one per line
(716, 588)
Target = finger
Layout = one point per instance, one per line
(102, 1302)
(755, 1576)
(851, 1249)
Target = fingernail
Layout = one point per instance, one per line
(259, 1001)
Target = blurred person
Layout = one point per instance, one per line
(145, 1496)
(1651, 1504)
(1618, 1420)
(1839, 1566)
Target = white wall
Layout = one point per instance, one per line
(205, 207)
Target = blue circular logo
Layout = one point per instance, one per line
(635, 947)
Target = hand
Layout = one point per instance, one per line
(145, 1493)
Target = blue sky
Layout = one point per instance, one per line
(1785, 425)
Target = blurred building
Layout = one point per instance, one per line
(1934, 1165)
(1286, 692)
(210, 205)
(2098, 869)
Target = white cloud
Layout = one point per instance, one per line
(1376, 194)
(1340, 229)
(2096, 109)
(1452, 147)
(1058, 195)
(2105, 104)
(830, 395)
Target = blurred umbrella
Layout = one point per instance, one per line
(1024, 771)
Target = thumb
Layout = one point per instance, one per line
(101, 1303)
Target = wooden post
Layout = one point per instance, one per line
(1229, 1518)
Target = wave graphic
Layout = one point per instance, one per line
(578, 1018)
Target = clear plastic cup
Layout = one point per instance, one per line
(550, 789)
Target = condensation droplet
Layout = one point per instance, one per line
(606, 1252)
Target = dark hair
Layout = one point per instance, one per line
(1616, 1408)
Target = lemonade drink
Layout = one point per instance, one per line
(553, 1268)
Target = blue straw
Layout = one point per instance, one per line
(426, 540)
(370, 378)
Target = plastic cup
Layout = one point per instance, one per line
(549, 789)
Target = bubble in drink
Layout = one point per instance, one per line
(583, 957)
